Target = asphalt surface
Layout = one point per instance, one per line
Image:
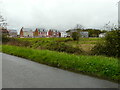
(22, 73)
(0, 71)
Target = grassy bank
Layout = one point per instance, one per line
(100, 66)
(68, 45)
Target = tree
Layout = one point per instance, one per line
(3, 30)
(113, 43)
(110, 46)
(2, 22)
(75, 36)
(79, 26)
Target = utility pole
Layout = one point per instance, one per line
(119, 15)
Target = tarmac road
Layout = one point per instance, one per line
(22, 73)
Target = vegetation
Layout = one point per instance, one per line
(110, 46)
(92, 32)
(75, 36)
(54, 44)
(100, 66)
(83, 46)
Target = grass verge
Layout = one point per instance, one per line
(99, 66)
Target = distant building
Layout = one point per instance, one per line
(50, 33)
(84, 34)
(102, 35)
(26, 32)
(63, 34)
(4, 31)
(56, 34)
(43, 33)
(36, 33)
(12, 33)
(40, 32)
(53, 33)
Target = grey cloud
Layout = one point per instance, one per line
(59, 14)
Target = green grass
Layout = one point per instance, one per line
(85, 44)
(43, 39)
(99, 66)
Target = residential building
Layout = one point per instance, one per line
(102, 35)
(53, 33)
(50, 33)
(26, 32)
(40, 32)
(4, 31)
(36, 33)
(63, 34)
(12, 33)
(84, 34)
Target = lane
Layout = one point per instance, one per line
(22, 73)
(0, 71)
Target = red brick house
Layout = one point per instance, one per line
(21, 32)
(26, 32)
(36, 33)
(39, 32)
(52, 33)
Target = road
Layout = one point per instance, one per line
(0, 71)
(22, 73)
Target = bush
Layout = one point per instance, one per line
(5, 39)
(75, 36)
(15, 42)
(111, 46)
(62, 47)
(54, 44)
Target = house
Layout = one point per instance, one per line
(12, 33)
(53, 33)
(50, 33)
(40, 32)
(84, 34)
(4, 31)
(26, 32)
(36, 33)
(102, 35)
(43, 33)
(63, 34)
(56, 34)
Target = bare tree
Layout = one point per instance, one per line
(79, 26)
(2, 22)
(107, 26)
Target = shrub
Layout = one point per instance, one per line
(111, 46)
(75, 36)
(62, 47)
(5, 39)
(15, 42)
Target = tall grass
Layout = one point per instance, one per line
(100, 66)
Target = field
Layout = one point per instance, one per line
(83, 46)
(99, 66)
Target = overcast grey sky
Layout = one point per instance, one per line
(59, 14)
